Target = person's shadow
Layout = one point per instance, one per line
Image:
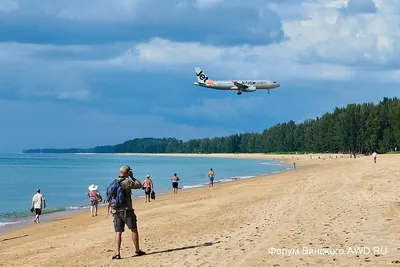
(206, 244)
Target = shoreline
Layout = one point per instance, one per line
(327, 203)
(285, 159)
(16, 223)
(54, 216)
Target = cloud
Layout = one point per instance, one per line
(24, 75)
(68, 72)
(322, 44)
(362, 41)
(274, 62)
(359, 7)
(52, 71)
(211, 22)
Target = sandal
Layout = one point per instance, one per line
(140, 253)
(116, 257)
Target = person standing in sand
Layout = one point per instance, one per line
(94, 197)
(38, 203)
(211, 176)
(175, 180)
(374, 155)
(148, 187)
(126, 215)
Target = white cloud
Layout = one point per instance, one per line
(361, 41)
(327, 45)
(161, 51)
(323, 44)
(244, 61)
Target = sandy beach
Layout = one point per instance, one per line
(347, 207)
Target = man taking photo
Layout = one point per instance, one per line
(125, 214)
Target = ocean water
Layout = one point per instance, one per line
(64, 178)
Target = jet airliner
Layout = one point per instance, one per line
(238, 85)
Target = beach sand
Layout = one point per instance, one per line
(342, 204)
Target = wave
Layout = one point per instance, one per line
(15, 217)
(223, 180)
(193, 186)
(23, 214)
(5, 224)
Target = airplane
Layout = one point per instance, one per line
(239, 85)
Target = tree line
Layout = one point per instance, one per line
(356, 128)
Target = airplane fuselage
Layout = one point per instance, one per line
(238, 85)
(229, 85)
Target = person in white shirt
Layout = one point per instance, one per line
(38, 203)
(374, 155)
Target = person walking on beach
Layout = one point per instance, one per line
(95, 198)
(374, 155)
(125, 215)
(148, 187)
(38, 203)
(211, 178)
(175, 180)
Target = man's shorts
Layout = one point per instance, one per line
(38, 211)
(121, 218)
(147, 191)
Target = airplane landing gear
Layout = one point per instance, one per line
(268, 91)
(239, 93)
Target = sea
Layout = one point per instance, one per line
(64, 178)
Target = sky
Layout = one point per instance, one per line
(96, 72)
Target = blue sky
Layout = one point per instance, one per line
(85, 73)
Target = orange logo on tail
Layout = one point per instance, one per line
(211, 83)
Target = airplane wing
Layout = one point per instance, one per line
(240, 85)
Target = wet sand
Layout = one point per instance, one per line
(338, 204)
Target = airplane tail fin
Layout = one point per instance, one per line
(201, 76)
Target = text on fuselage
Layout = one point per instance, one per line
(252, 82)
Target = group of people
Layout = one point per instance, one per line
(123, 215)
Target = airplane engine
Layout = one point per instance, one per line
(250, 89)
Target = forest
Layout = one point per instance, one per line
(356, 128)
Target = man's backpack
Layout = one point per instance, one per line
(116, 195)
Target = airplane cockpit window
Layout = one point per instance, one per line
(273, 82)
